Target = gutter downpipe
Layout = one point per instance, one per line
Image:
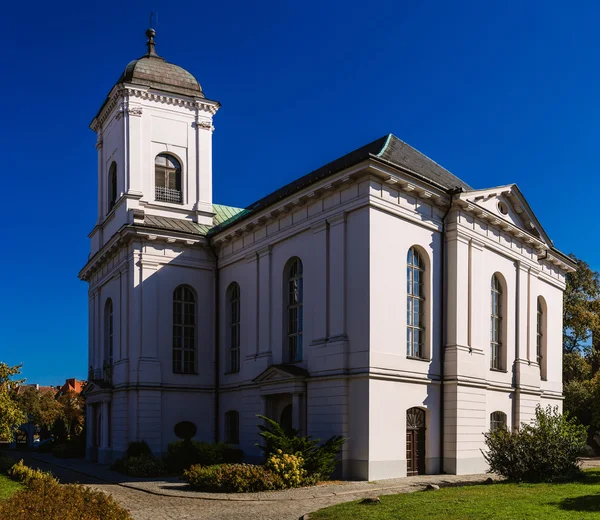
(217, 338)
(452, 193)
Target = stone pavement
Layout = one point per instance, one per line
(166, 499)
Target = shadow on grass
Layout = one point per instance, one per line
(589, 503)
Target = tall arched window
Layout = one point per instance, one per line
(415, 305)
(496, 324)
(497, 421)
(112, 186)
(184, 330)
(294, 299)
(108, 332)
(232, 427)
(167, 178)
(233, 327)
(541, 337)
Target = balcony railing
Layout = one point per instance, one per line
(167, 194)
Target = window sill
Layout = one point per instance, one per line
(231, 373)
(426, 360)
(186, 373)
(501, 370)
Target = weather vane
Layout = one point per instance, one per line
(153, 16)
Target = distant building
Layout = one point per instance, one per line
(72, 385)
(379, 297)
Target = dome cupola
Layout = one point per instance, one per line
(154, 71)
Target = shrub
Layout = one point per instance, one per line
(118, 465)
(238, 478)
(288, 467)
(69, 450)
(144, 466)
(319, 461)
(137, 448)
(545, 450)
(183, 454)
(26, 475)
(48, 500)
(6, 462)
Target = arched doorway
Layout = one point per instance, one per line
(415, 441)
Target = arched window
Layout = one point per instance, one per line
(497, 421)
(232, 427)
(496, 324)
(167, 178)
(294, 300)
(112, 186)
(541, 337)
(108, 332)
(184, 330)
(415, 305)
(233, 327)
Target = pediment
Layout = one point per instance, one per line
(282, 373)
(507, 203)
(94, 386)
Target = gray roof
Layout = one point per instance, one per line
(388, 149)
(159, 74)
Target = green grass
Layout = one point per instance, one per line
(580, 499)
(8, 487)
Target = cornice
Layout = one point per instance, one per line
(123, 93)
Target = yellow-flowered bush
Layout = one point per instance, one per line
(290, 468)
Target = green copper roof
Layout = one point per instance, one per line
(223, 215)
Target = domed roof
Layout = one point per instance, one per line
(154, 71)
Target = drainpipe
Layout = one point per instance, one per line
(211, 246)
(442, 331)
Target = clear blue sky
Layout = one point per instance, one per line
(497, 92)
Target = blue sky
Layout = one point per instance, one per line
(497, 92)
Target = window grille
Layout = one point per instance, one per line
(294, 311)
(234, 327)
(496, 324)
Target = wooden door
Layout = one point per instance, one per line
(415, 442)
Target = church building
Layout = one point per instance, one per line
(378, 297)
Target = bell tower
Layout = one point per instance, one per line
(154, 147)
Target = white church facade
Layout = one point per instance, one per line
(379, 297)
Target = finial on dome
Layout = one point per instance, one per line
(151, 33)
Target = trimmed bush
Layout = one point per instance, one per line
(144, 466)
(544, 451)
(235, 478)
(48, 500)
(6, 462)
(69, 450)
(289, 468)
(183, 454)
(319, 461)
(137, 448)
(26, 475)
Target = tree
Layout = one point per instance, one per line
(41, 407)
(11, 413)
(581, 307)
(73, 413)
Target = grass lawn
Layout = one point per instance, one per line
(7, 487)
(579, 499)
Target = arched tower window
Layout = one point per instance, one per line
(541, 337)
(184, 330)
(232, 427)
(167, 178)
(496, 324)
(233, 327)
(108, 333)
(112, 186)
(497, 421)
(415, 305)
(294, 301)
